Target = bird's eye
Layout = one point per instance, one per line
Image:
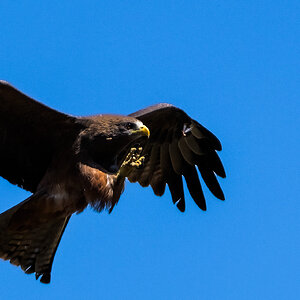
(129, 126)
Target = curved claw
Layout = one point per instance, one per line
(132, 160)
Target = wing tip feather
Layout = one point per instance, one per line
(180, 204)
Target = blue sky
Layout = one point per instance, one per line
(233, 66)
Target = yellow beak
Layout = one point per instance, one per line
(143, 130)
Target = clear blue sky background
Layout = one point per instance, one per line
(232, 65)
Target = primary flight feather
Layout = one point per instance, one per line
(71, 162)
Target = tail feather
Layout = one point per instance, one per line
(31, 248)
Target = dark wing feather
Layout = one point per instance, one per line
(176, 145)
(30, 133)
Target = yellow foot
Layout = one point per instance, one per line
(132, 160)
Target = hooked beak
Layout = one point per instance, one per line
(143, 130)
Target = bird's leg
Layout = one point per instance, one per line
(132, 160)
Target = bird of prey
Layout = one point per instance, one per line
(71, 162)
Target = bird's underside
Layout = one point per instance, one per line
(70, 162)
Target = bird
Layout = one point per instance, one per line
(69, 163)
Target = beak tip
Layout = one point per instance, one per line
(145, 131)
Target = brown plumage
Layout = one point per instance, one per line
(70, 162)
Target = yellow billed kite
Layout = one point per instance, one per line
(70, 162)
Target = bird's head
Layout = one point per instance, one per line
(107, 140)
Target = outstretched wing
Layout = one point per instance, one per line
(30, 133)
(178, 144)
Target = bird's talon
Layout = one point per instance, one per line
(132, 160)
